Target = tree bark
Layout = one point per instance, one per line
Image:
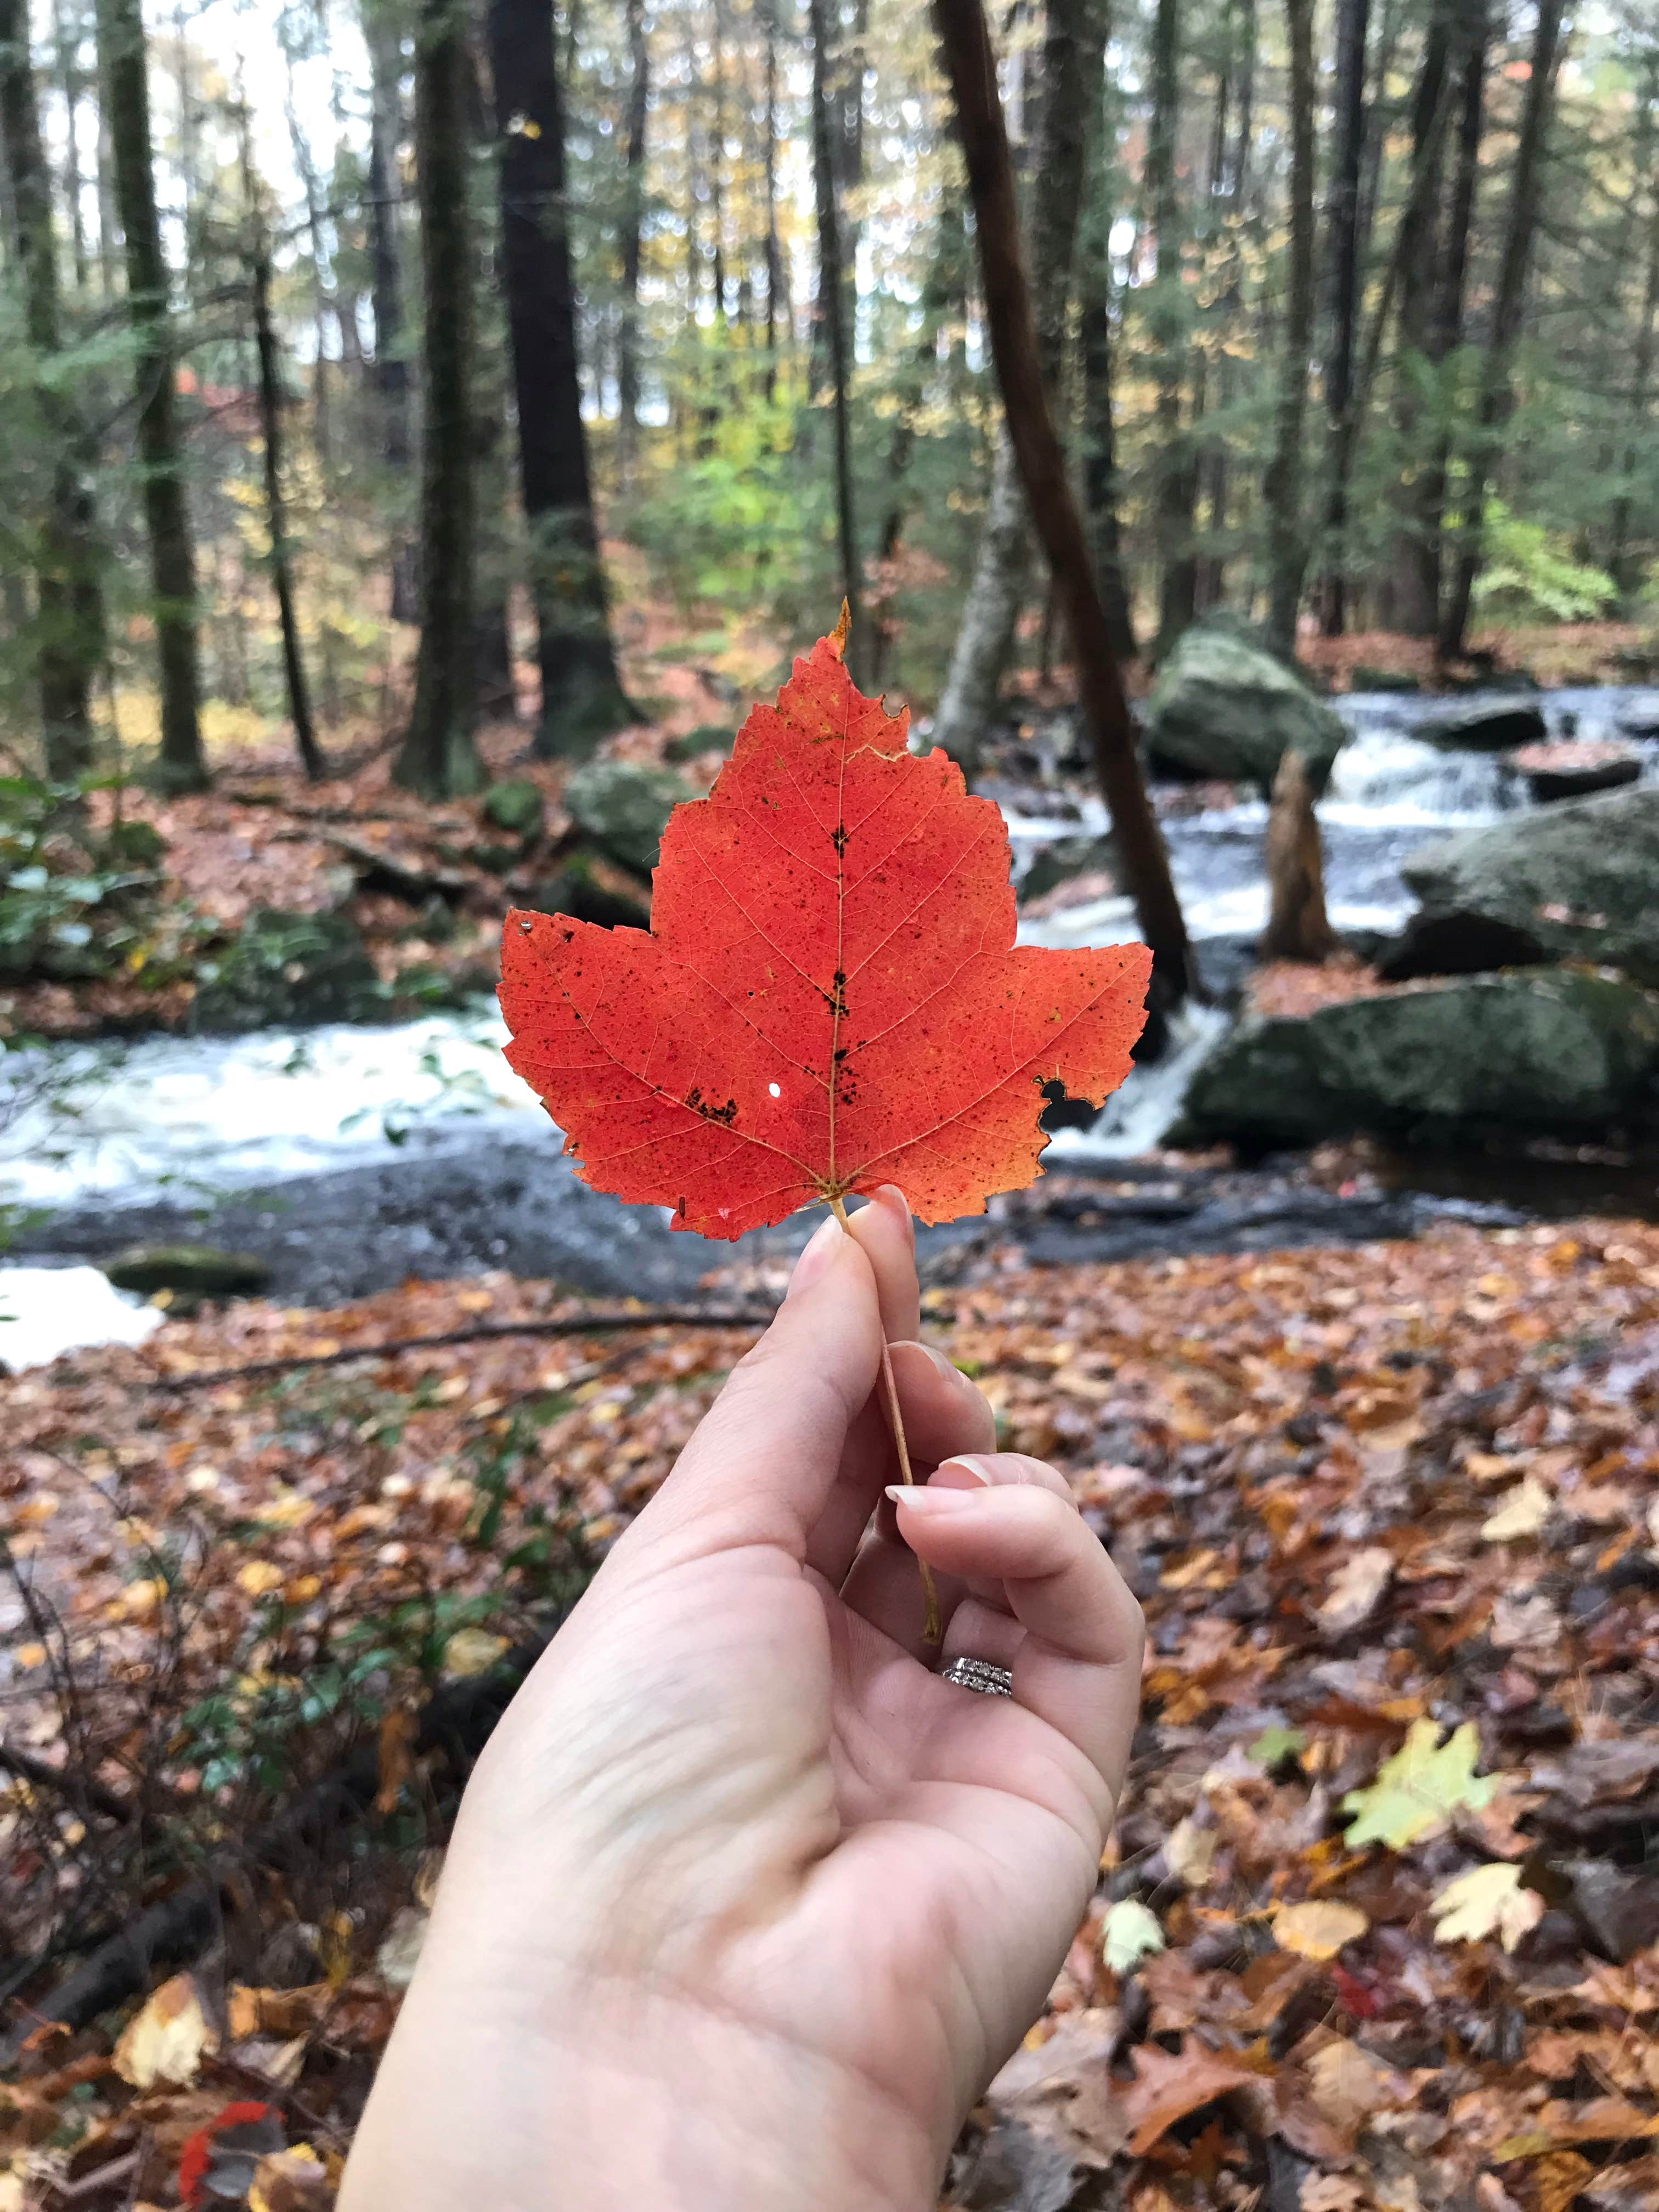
(1095, 348)
(1173, 494)
(270, 426)
(628, 335)
(1287, 537)
(70, 642)
(1497, 397)
(985, 639)
(1212, 578)
(182, 765)
(437, 755)
(66, 41)
(582, 697)
(777, 290)
(391, 368)
(1298, 927)
(1624, 567)
(832, 315)
(1342, 217)
(1416, 569)
(971, 69)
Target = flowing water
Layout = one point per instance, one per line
(145, 1134)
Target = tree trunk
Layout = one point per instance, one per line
(270, 427)
(1212, 578)
(1172, 493)
(832, 314)
(1416, 565)
(70, 614)
(1298, 927)
(1095, 348)
(391, 368)
(1071, 72)
(777, 290)
(182, 766)
(1496, 395)
(1342, 217)
(437, 755)
(582, 697)
(70, 83)
(109, 224)
(1446, 318)
(1624, 567)
(716, 147)
(628, 336)
(971, 69)
(1287, 537)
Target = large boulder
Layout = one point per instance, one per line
(624, 806)
(1482, 726)
(1223, 706)
(289, 970)
(1571, 881)
(1530, 1051)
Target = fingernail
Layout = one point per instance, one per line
(967, 1463)
(894, 1200)
(933, 1499)
(817, 1257)
(943, 1365)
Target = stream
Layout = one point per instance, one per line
(349, 1158)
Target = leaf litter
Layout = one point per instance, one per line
(1460, 1782)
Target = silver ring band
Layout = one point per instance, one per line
(982, 1674)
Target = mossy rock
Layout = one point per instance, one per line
(589, 887)
(623, 807)
(134, 844)
(1364, 677)
(707, 737)
(1061, 859)
(192, 1271)
(289, 970)
(1223, 706)
(516, 807)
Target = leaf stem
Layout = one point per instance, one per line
(932, 1628)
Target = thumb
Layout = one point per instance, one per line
(762, 1461)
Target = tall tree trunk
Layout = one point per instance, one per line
(582, 698)
(1095, 350)
(109, 223)
(1342, 219)
(1497, 397)
(1070, 71)
(1177, 583)
(270, 427)
(777, 295)
(392, 376)
(437, 755)
(1446, 318)
(1625, 569)
(717, 152)
(971, 69)
(66, 42)
(71, 615)
(182, 766)
(1416, 567)
(832, 313)
(628, 336)
(1212, 578)
(1287, 536)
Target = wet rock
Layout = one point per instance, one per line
(1061, 861)
(1574, 768)
(1541, 1049)
(1573, 883)
(591, 888)
(692, 744)
(194, 1271)
(289, 970)
(1363, 678)
(623, 807)
(516, 807)
(1619, 1911)
(1485, 726)
(1224, 706)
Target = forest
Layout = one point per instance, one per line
(432, 432)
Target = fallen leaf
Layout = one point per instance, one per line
(1419, 1788)
(217, 2160)
(1189, 1852)
(1168, 2085)
(167, 2038)
(472, 1651)
(1129, 1932)
(1357, 1584)
(293, 2180)
(1522, 1513)
(397, 1754)
(1319, 1928)
(1488, 1901)
(829, 997)
(1329, 2192)
(1276, 1743)
(260, 1577)
(1347, 2084)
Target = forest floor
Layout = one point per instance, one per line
(426, 886)
(1377, 1928)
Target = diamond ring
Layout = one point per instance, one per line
(982, 1674)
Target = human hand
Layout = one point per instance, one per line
(745, 1905)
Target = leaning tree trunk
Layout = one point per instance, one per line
(1287, 537)
(392, 378)
(832, 319)
(971, 69)
(1497, 397)
(270, 425)
(182, 765)
(628, 334)
(582, 696)
(1342, 217)
(70, 613)
(985, 637)
(437, 755)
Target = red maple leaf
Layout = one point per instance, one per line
(829, 997)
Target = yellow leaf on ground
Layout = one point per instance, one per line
(259, 1577)
(1357, 1584)
(1189, 1852)
(1488, 1901)
(1129, 1932)
(167, 2038)
(1420, 1788)
(472, 1651)
(1522, 1513)
(1319, 1928)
